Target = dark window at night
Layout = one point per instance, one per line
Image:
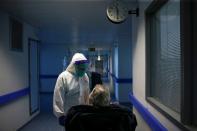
(164, 57)
(16, 35)
(170, 58)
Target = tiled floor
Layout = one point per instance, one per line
(43, 122)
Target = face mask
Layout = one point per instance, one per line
(80, 69)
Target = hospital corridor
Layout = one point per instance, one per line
(98, 65)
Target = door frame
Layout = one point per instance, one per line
(29, 76)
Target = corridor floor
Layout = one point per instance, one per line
(43, 122)
(47, 122)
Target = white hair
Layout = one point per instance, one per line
(100, 96)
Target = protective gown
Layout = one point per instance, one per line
(70, 89)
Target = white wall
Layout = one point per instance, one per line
(139, 71)
(13, 76)
(141, 124)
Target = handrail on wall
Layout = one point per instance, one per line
(5, 99)
(154, 124)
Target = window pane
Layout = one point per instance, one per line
(165, 58)
(16, 35)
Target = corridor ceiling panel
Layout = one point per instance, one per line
(80, 21)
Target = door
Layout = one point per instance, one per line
(99, 66)
(34, 75)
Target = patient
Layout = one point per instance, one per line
(100, 96)
(100, 114)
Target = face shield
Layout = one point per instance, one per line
(81, 68)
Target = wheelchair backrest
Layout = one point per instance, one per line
(89, 118)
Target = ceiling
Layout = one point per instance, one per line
(70, 21)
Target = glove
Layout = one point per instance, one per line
(62, 120)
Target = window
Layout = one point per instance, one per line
(165, 56)
(16, 32)
(169, 60)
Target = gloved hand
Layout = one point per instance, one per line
(62, 120)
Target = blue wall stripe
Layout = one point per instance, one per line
(154, 124)
(48, 76)
(4, 99)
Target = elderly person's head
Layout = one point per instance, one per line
(100, 96)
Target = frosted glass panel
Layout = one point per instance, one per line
(165, 58)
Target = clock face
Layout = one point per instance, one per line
(117, 11)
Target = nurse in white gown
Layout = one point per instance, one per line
(72, 87)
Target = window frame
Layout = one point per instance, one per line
(12, 21)
(187, 60)
(194, 34)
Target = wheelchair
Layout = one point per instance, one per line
(109, 118)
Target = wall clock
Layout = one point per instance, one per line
(117, 11)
